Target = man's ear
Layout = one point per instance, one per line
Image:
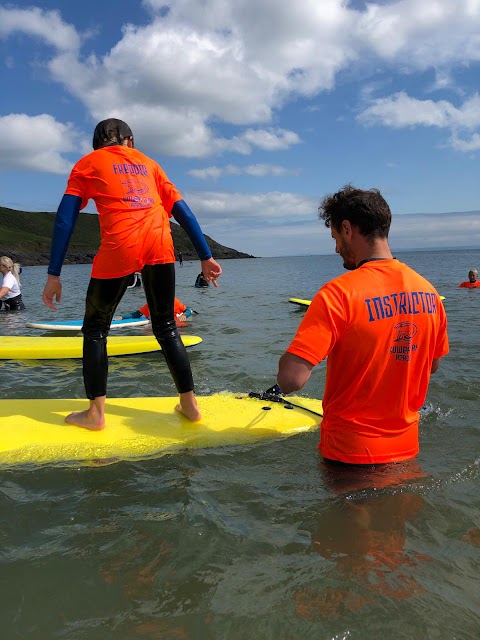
(347, 228)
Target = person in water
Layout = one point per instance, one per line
(383, 330)
(180, 311)
(134, 200)
(472, 281)
(135, 280)
(201, 281)
(10, 295)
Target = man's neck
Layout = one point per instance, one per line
(379, 250)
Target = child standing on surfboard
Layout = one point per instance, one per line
(134, 200)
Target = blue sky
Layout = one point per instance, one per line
(255, 109)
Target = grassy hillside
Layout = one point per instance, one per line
(26, 236)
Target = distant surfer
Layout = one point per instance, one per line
(472, 281)
(135, 280)
(180, 311)
(134, 200)
(201, 281)
(10, 295)
(180, 258)
(383, 330)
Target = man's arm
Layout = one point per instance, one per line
(293, 372)
(435, 365)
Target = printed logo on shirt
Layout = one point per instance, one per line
(135, 190)
(135, 186)
(132, 169)
(405, 332)
(397, 304)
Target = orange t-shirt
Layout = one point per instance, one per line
(178, 308)
(470, 285)
(381, 326)
(134, 200)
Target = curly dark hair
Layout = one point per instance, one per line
(366, 210)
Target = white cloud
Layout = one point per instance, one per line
(257, 170)
(466, 145)
(400, 111)
(422, 35)
(198, 65)
(278, 223)
(35, 143)
(430, 230)
(46, 25)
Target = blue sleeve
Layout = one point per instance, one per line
(185, 218)
(67, 214)
(134, 314)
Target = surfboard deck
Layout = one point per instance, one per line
(76, 325)
(299, 301)
(34, 431)
(51, 348)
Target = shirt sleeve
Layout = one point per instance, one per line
(442, 346)
(321, 326)
(78, 184)
(168, 192)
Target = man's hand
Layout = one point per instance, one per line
(211, 270)
(52, 291)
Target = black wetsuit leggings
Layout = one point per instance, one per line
(103, 297)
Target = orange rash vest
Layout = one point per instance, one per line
(380, 327)
(178, 308)
(134, 200)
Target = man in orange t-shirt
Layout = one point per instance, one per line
(472, 280)
(134, 200)
(383, 330)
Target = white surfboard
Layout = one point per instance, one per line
(76, 325)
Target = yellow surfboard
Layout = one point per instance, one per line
(47, 348)
(34, 431)
(299, 301)
(307, 303)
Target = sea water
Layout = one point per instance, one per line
(260, 541)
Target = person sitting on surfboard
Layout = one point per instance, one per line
(10, 295)
(472, 280)
(180, 311)
(134, 200)
(383, 330)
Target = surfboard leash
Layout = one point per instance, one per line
(274, 397)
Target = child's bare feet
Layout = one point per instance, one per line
(92, 418)
(188, 407)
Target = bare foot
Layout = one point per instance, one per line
(191, 413)
(188, 407)
(88, 419)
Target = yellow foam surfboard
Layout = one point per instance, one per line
(299, 301)
(47, 348)
(307, 303)
(34, 431)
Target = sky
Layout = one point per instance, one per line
(255, 109)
